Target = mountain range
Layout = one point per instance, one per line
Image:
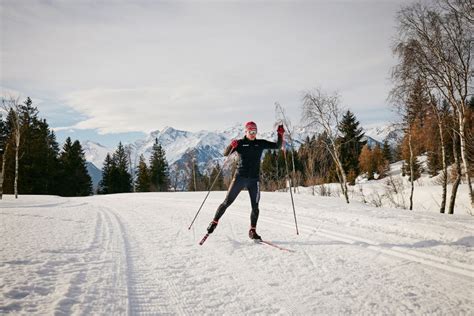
(206, 147)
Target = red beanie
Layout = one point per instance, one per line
(250, 126)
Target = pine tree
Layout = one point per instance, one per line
(38, 152)
(106, 185)
(159, 172)
(143, 183)
(197, 181)
(387, 151)
(121, 180)
(471, 103)
(75, 180)
(268, 169)
(3, 135)
(53, 166)
(218, 177)
(33, 151)
(351, 144)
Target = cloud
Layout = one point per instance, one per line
(190, 107)
(138, 66)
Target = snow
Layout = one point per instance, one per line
(133, 254)
(380, 192)
(95, 153)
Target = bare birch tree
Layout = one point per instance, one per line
(440, 115)
(2, 174)
(281, 116)
(12, 106)
(439, 40)
(324, 112)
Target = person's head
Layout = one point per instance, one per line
(251, 130)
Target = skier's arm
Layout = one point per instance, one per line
(231, 148)
(272, 145)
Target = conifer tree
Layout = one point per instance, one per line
(351, 144)
(38, 152)
(269, 170)
(75, 180)
(143, 183)
(121, 180)
(53, 166)
(387, 151)
(106, 185)
(159, 172)
(197, 181)
(218, 177)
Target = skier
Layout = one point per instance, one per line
(247, 176)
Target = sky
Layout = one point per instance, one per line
(112, 71)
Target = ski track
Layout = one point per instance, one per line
(147, 295)
(135, 256)
(451, 266)
(70, 278)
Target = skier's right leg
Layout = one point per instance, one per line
(236, 186)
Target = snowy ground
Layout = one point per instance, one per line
(133, 254)
(393, 191)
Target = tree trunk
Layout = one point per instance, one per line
(17, 162)
(2, 175)
(462, 141)
(411, 171)
(342, 175)
(457, 181)
(445, 168)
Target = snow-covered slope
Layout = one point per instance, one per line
(132, 254)
(394, 191)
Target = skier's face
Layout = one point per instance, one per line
(252, 134)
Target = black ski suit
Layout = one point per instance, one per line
(248, 174)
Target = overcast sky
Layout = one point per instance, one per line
(112, 70)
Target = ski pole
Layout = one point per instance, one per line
(208, 192)
(289, 183)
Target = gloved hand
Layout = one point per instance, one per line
(281, 130)
(234, 143)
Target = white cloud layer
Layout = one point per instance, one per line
(195, 65)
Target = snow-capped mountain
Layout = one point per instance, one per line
(95, 153)
(95, 174)
(389, 132)
(205, 147)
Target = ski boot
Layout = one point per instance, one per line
(211, 227)
(253, 234)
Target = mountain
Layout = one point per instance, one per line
(95, 152)
(392, 133)
(95, 173)
(206, 147)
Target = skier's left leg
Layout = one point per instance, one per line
(254, 192)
